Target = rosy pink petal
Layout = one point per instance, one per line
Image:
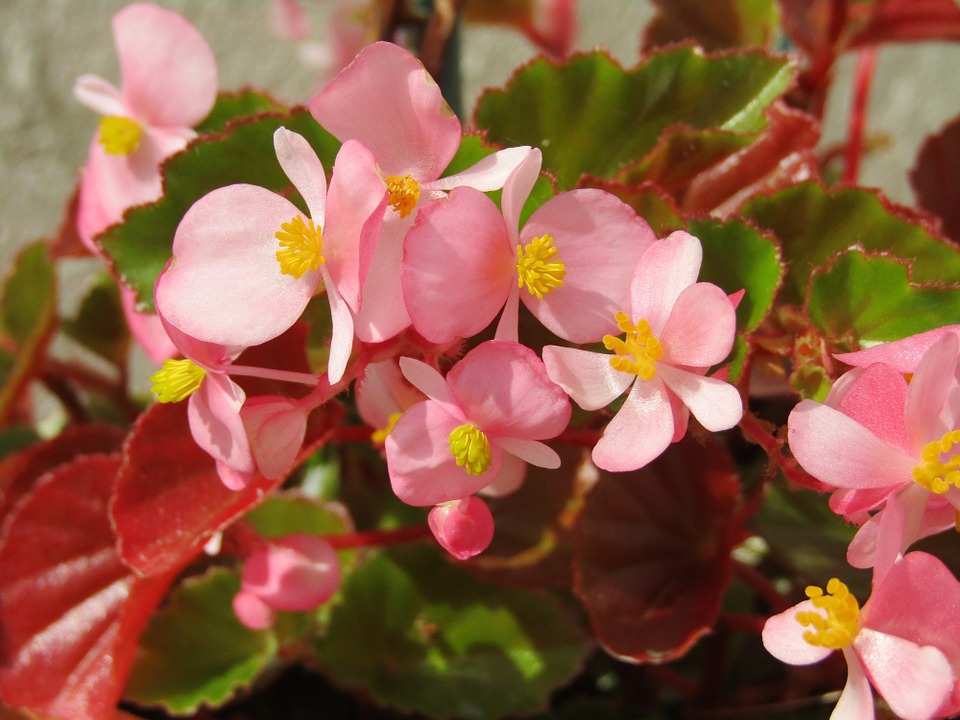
(146, 328)
(214, 416)
(208, 355)
(840, 387)
(232, 478)
(666, 268)
(585, 376)
(431, 383)
(169, 72)
(876, 398)
(701, 327)
(276, 427)
(554, 25)
(383, 391)
(341, 341)
(224, 283)
(856, 698)
(928, 391)
(914, 680)
(489, 174)
(463, 528)
(904, 355)
(599, 239)
(387, 100)
(517, 189)
(295, 573)
(513, 471)
(504, 389)
(531, 451)
(714, 403)
(355, 208)
(842, 453)
(639, 432)
(458, 266)
(383, 313)
(508, 326)
(783, 638)
(422, 469)
(252, 611)
(300, 163)
(99, 95)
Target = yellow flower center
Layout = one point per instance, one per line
(301, 247)
(403, 193)
(838, 625)
(471, 448)
(380, 436)
(120, 135)
(639, 349)
(176, 380)
(939, 469)
(538, 266)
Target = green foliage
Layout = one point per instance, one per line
(231, 106)
(28, 300)
(99, 324)
(716, 24)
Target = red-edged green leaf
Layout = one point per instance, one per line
(714, 25)
(936, 178)
(421, 635)
(99, 324)
(590, 116)
(813, 224)
(195, 652)
(70, 610)
(233, 105)
(654, 554)
(169, 500)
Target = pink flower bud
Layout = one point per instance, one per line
(463, 527)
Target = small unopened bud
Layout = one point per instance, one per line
(463, 528)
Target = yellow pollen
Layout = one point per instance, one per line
(301, 247)
(837, 628)
(176, 380)
(638, 352)
(403, 193)
(538, 267)
(380, 436)
(936, 472)
(119, 135)
(471, 448)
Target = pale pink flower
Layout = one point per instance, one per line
(383, 395)
(295, 573)
(478, 427)
(905, 642)
(463, 528)
(676, 329)
(570, 264)
(888, 444)
(904, 355)
(388, 101)
(246, 261)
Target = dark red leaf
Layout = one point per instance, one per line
(936, 178)
(653, 558)
(70, 610)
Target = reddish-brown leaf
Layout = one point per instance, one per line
(936, 178)
(910, 21)
(653, 558)
(70, 610)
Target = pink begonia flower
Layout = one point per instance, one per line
(382, 396)
(891, 445)
(905, 642)
(295, 573)
(478, 427)
(388, 101)
(246, 261)
(463, 528)
(904, 355)
(169, 84)
(676, 329)
(550, 24)
(570, 265)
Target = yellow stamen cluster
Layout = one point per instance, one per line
(403, 193)
(934, 475)
(176, 380)
(301, 247)
(470, 447)
(380, 436)
(538, 266)
(638, 352)
(837, 628)
(120, 135)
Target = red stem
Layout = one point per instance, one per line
(863, 78)
(761, 585)
(754, 432)
(371, 538)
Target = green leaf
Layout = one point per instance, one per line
(28, 300)
(141, 246)
(99, 324)
(195, 652)
(589, 115)
(284, 514)
(230, 106)
(423, 636)
(844, 303)
(813, 224)
(714, 25)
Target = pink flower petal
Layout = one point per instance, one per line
(341, 341)
(169, 72)
(639, 432)
(383, 391)
(463, 528)
(213, 412)
(431, 383)
(876, 399)
(383, 313)
(300, 163)
(422, 469)
(489, 174)
(275, 427)
(666, 268)
(783, 638)
(903, 355)
(387, 100)
(913, 680)
(458, 266)
(585, 376)
(253, 612)
(146, 328)
(224, 283)
(856, 699)
(99, 95)
(508, 326)
(842, 453)
(714, 403)
(928, 391)
(504, 389)
(701, 327)
(531, 451)
(517, 189)
(295, 573)
(513, 471)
